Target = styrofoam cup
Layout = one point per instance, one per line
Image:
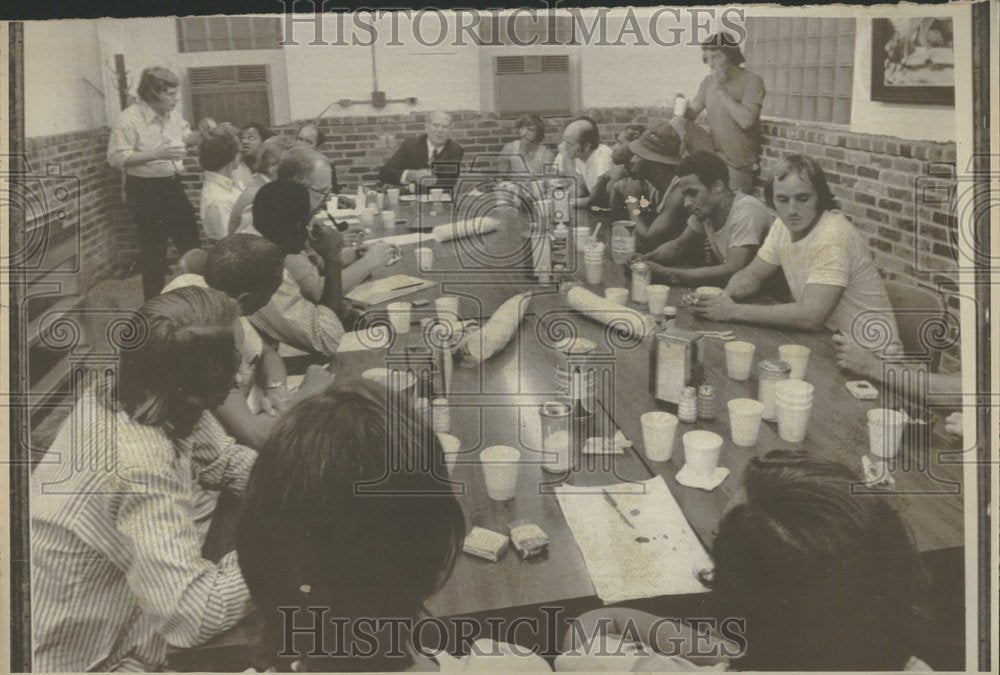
(425, 257)
(594, 269)
(885, 431)
(399, 314)
(656, 296)
(797, 356)
(701, 451)
(393, 195)
(793, 420)
(794, 391)
(739, 359)
(744, 421)
(501, 465)
(658, 430)
(450, 445)
(617, 295)
(389, 220)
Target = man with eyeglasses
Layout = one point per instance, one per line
(582, 155)
(429, 160)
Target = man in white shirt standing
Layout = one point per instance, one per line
(825, 260)
(148, 143)
(219, 153)
(582, 155)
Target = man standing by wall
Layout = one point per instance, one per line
(148, 143)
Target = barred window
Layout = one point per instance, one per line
(227, 33)
(807, 66)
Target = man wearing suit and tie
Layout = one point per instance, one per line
(430, 160)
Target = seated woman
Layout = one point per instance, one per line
(332, 522)
(820, 579)
(528, 152)
(826, 261)
(117, 571)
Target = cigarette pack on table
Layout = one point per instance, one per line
(528, 538)
(486, 544)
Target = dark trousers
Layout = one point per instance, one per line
(160, 210)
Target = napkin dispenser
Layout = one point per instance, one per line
(675, 363)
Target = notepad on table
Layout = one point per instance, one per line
(390, 288)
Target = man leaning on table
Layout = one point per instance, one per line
(429, 160)
(734, 225)
(148, 143)
(583, 156)
(825, 260)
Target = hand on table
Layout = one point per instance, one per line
(276, 401)
(720, 308)
(317, 380)
(953, 424)
(421, 177)
(855, 359)
(378, 255)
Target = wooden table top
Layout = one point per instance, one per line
(497, 405)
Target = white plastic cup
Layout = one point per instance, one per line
(501, 464)
(794, 391)
(885, 431)
(593, 267)
(739, 359)
(425, 258)
(367, 217)
(399, 314)
(437, 194)
(450, 445)
(680, 106)
(389, 220)
(617, 295)
(744, 421)
(393, 195)
(796, 356)
(656, 296)
(793, 402)
(447, 307)
(658, 430)
(701, 451)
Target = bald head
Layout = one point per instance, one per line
(438, 128)
(308, 167)
(580, 138)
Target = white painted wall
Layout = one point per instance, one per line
(60, 58)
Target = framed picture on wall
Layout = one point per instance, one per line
(913, 60)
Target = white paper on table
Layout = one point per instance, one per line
(625, 319)
(375, 338)
(403, 239)
(383, 290)
(621, 565)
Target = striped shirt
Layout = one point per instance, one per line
(140, 129)
(291, 318)
(117, 572)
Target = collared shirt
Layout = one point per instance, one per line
(140, 129)
(117, 572)
(218, 195)
(596, 165)
(430, 158)
(291, 318)
(245, 201)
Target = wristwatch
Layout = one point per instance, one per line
(275, 385)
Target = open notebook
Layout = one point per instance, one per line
(390, 288)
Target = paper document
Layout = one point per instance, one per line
(383, 290)
(657, 555)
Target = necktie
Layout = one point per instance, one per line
(434, 155)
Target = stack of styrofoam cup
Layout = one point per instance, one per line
(744, 420)
(593, 262)
(885, 431)
(794, 401)
(796, 356)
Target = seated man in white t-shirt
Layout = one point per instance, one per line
(249, 269)
(583, 156)
(733, 224)
(825, 260)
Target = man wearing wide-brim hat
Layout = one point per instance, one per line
(658, 216)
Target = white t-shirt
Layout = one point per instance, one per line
(589, 171)
(746, 225)
(835, 253)
(218, 194)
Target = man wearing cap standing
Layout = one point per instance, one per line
(733, 224)
(731, 97)
(657, 213)
(582, 155)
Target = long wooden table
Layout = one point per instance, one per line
(497, 405)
